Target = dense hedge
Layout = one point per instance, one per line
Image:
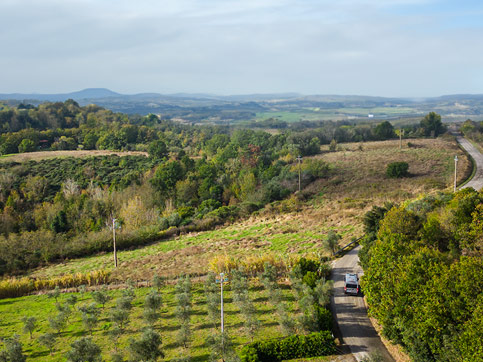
(423, 275)
(312, 345)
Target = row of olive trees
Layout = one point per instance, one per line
(145, 348)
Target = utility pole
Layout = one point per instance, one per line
(299, 158)
(401, 131)
(455, 168)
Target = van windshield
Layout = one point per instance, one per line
(353, 286)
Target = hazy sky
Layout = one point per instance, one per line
(367, 47)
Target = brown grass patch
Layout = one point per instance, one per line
(42, 155)
(356, 183)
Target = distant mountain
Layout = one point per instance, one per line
(89, 93)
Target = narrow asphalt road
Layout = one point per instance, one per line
(351, 314)
(477, 180)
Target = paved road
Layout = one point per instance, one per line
(351, 314)
(477, 180)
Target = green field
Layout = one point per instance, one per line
(321, 114)
(41, 306)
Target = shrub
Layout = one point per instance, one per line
(312, 345)
(13, 351)
(147, 347)
(84, 350)
(304, 265)
(397, 169)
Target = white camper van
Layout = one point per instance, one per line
(351, 284)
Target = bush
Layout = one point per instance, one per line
(303, 266)
(312, 345)
(397, 169)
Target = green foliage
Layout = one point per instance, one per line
(242, 299)
(183, 309)
(221, 347)
(158, 282)
(90, 316)
(157, 149)
(84, 350)
(152, 304)
(418, 260)
(312, 345)
(331, 242)
(101, 297)
(432, 125)
(12, 351)
(397, 169)
(146, 348)
(333, 145)
(384, 131)
(26, 145)
(48, 341)
(29, 325)
(212, 299)
(304, 265)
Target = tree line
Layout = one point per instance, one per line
(423, 274)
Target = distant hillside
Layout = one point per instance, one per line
(89, 93)
(286, 107)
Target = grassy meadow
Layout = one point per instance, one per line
(357, 181)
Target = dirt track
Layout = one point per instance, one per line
(351, 314)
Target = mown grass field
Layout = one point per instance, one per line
(41, 306)
(357, 181)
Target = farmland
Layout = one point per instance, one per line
(42, 307)
(357, 182)
(229, 204)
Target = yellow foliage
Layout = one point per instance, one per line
(17, 287)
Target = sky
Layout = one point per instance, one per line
(390, 48)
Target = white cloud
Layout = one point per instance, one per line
(237, 46)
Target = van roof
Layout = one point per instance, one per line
(351, 277)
